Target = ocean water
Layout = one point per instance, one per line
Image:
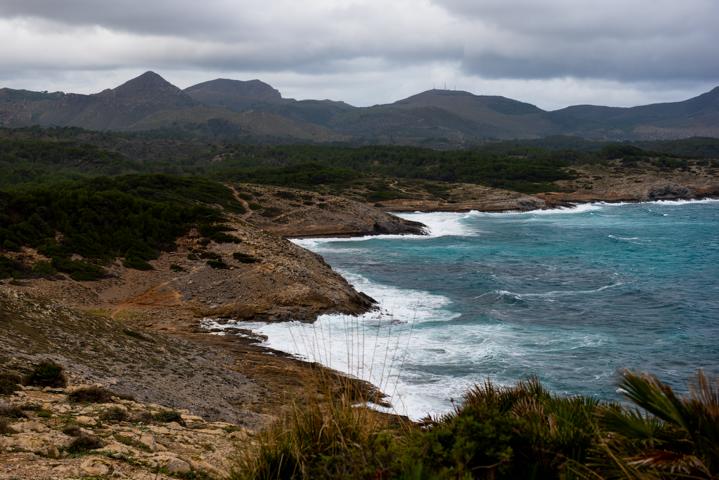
(573, 296)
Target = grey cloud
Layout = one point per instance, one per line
(403, 43)
(181, 17)
(628, 40)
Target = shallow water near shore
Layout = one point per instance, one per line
(571, 295)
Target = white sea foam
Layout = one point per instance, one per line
(373, 346)
(556, 293)
(443, 224)
(439, 224)
(423, 369)
(660, 202)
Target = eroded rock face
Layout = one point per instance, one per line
(644, 182)
(298, 213)
(145, 365)
(671, 191)
(40, 448)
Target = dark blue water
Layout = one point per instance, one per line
(571, 297)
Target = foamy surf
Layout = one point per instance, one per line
(567, 298)
(371, 347)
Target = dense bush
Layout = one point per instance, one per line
(502, 433)
(9, 383)
(323, 441)
(309, 166)
(167, 416)
(84, 443)
(131, 217)
(114, 414)
(5, 427)
(92, 394)
(47, 374)
(244, 257)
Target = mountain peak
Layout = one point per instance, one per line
(234, 94)
(145, 83)
(250, 89)
(461, 100)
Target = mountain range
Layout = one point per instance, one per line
(233, 109)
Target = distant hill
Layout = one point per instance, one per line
(233, 94)
(698, 116)
(253, 110)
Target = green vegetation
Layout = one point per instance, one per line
(244, 257)
(502, 432)
(9, 383)
(323, 441)
(5, 427)
(92, 394)
(47, 374)
(167, 416)
(304, 166)
(66, 193)
(84, 443)
(34, 160)
(114, 414)
(131, 217)
(8, 411)
(217, 263)
(36, 156)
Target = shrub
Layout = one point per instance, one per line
(114, 414)
(11, 411)
(136, 263)
(167, 416)
(10, 268)
(244, 257)
(72, 430)
(323, 441)
(47, 374)
(137, 335)
(671, 437)
(93, 394)
(287, 195)
(217, 263)
(5, 427)
(44, 269)
(271, 212)
(84, 443)
(517, 432)
(78, 270)
(9, 383)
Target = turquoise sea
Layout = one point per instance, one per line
(572, 296)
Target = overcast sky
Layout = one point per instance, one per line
(552, 53)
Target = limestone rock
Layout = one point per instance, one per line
(148, 440)
(95, 467)
(86, 421)
(176, 466)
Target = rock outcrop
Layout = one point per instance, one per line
(130, 439)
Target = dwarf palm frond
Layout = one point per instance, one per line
(671, 436)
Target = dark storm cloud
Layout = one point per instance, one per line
(173, 17)
(309, 36)
(624, 40)
(405, 43)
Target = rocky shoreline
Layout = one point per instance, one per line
(139, 333)
(593, 183)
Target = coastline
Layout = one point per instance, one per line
(315, 244)
(304, 287)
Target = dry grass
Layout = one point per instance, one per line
(325, 436)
